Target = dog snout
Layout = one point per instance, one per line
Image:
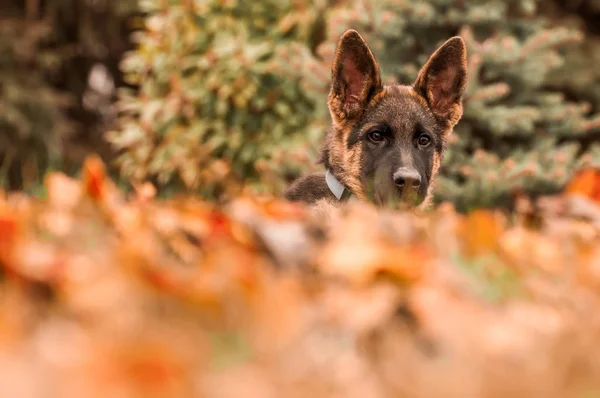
(406, 177)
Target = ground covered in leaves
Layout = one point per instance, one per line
(107, 295)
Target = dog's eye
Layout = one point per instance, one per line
(376, 136)
(424, 140)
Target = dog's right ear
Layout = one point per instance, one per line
(355, 78)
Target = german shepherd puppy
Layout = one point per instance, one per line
(385, 142)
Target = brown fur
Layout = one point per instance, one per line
(358, 103)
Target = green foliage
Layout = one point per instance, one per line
(48, 49)
(219, 95)
(516, 133)
(31, 121)
(236, 91)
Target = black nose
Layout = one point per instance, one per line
(404, 177)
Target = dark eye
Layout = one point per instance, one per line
(424, 140)
(376, 136)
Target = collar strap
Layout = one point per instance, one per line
(336, 187)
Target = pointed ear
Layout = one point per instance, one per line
(355, 77)
(442, 79)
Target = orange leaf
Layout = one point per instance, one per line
(161, 280)
(9, 229)
(283, 210)
(219, 223)
(481, 232)
(586, 182)
(94, 175)
(363, 264)
(404, 264)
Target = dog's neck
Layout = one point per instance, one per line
(336, 187)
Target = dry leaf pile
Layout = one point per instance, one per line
(103, 295)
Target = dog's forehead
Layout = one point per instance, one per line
(401, 108)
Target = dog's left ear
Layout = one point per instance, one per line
(443, 78)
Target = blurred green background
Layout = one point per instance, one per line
(214, 96)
